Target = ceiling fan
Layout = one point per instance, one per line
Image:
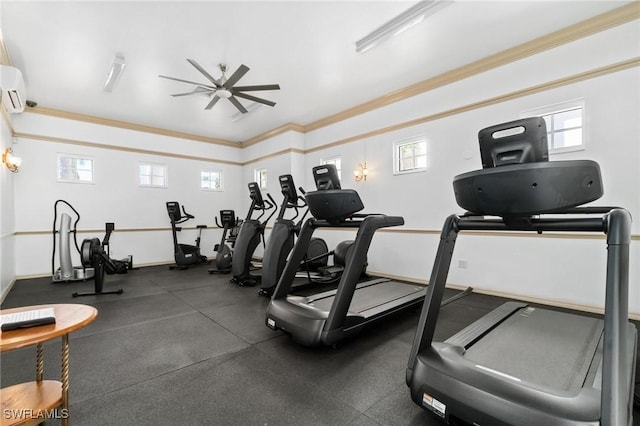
(225, 87)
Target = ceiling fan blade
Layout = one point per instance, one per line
(260, 87)
(204, 72)
(238, 105)
(212, 103)
(253, 98)
(187, 81)
(192, 93)
(240, 72)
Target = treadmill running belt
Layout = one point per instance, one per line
(371, 296)
(542, 347)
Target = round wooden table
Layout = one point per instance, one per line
(33, 402)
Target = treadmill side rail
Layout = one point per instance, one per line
(615, 374)
(432, 373)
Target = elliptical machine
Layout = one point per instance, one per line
(230, 225)
(281, 238)
(185, 255)
(250, 234)
(315, 265)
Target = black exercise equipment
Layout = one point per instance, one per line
(249, 236)
(185, 255)
(95, 254)
(230, 225)
(522, 365)
(328, 317)
(315, 265)
(282, 235)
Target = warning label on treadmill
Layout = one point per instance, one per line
(271, 323)
(433, 404)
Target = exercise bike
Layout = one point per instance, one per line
(250, 234)
(185, 255)
(230, 225)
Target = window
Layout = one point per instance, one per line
(336, 161)
(154, 175)
(211, 180)
(260, 176)
(73, 168)
(410, 155)
(564, 125)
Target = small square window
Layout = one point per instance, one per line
(75, 169)
(153, 175)
(409, 155)
(336, 161)
(211, 180)
(260, 176)
(565, 124)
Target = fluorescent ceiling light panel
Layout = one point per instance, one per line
(407, 19)
(117, 67)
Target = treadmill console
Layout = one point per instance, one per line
(515, 142)
(330, 202)
(518, 180)
(326, 177)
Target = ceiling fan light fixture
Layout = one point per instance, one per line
(223, 93)
(407, 19)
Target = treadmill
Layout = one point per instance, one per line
(328, 317)
(522, 365)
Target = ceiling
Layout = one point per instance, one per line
(65, 49)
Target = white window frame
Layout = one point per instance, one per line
(257, 175)
(77, 179)
(333, 160)
(551, 110)
(153, 166)
(209, 173)
(396, 155)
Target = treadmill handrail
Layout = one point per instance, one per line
(371, 223)
(616, 224)
(353, 268)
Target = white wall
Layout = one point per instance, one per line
(116, 196)
(7, 225)
(566, 270)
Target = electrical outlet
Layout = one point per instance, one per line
(462, 264)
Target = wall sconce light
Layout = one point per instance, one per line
(11, 161)
(361, 172)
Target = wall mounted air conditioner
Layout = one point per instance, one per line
(12, 89)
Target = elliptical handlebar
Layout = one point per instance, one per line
(269, 204)
(186, 216)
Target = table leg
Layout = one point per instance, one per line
(39, 362)
(65, 380)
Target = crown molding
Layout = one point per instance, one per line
(129, 126)
(616, 17)
(121, 148)
(566, 35)
(274, 132)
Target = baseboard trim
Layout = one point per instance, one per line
(7, 290)
(547, 302)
